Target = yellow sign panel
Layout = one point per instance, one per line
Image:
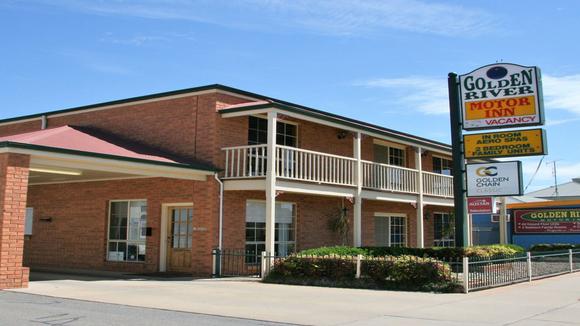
(500, 108)
(505, 144)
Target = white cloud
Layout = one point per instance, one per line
(427, 95)
(562, 93)
(336, 17)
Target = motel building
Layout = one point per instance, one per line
(155, 183)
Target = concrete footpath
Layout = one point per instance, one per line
(552, 301)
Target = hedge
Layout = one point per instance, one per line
(402, 273)
(554, 246)
(443, 253)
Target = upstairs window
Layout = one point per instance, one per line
(286, 133)
(442, 165)
(392, 155)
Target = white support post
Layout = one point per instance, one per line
(358, 265)
(571, 258)
(265, 265)
(503, 221)
(466, 274)
(271, 184)
(529, 260)
(420, 227)
(357, 227)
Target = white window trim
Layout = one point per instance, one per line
(297, 124)
(389, 215)
(434, 239)
(295, 217)
(163, 247)
(442, 158)
(109, 231)
(389, 145)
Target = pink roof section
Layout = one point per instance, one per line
(72, 138)
(241, 105)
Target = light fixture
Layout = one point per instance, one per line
(55, 171)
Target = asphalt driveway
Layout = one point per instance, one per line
(543, 302)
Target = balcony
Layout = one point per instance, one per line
(246, 162)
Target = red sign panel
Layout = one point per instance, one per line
(565, 220)
(479, 205)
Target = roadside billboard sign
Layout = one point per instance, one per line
(528, 142)
(494, 179)
(554, 220)
(479, 205)
(501, 95)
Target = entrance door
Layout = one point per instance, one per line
(179, 239)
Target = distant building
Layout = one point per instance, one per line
(565, 191)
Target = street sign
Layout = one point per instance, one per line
(494, 179)
(554, 220)
(501, 95)
(505, 144)
(479, 205)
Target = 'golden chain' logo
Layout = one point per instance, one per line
(490, 171)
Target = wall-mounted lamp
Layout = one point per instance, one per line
(341, 134)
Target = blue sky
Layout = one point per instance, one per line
(382, 61)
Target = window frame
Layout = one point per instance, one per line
(447, 242)
(442, 158)
(108, 239)
(294, 222)
(295, 124)
(388, 146)
(388, 216)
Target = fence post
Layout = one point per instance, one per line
(358, 263)
(466, 274)
(529, 255)
(571, 261)
(264, 265)
(216, 268)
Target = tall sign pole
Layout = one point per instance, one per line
(461, 229)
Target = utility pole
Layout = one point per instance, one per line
(555, 177)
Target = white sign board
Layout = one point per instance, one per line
(494, 179)
(501, 95)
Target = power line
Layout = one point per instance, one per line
(534, 175)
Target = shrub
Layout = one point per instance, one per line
(554, 246)
(404, 272)
(336, 250)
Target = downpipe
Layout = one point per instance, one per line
(221, 212)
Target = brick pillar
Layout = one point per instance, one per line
(13, 191)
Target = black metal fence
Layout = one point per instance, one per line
(485, 273)
(474, 273)
(236, 262)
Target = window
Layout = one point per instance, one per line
(390, 230)
(181, 227)
(444, 232)
(442, 165)
(284, 241)
(389, 155)
(127, 230)
(286, 133)
(28, 221)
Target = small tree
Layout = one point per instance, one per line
(338, 222)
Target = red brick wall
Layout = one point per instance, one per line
(13, 189)
(313, 215)
(77, 235)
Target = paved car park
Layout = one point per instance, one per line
(544, 302)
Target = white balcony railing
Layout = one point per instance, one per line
(310, 166)
(245, 161)
(436, 184)
(305, 165)
(389, 177)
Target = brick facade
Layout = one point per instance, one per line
(71, 219)
(13, 190)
